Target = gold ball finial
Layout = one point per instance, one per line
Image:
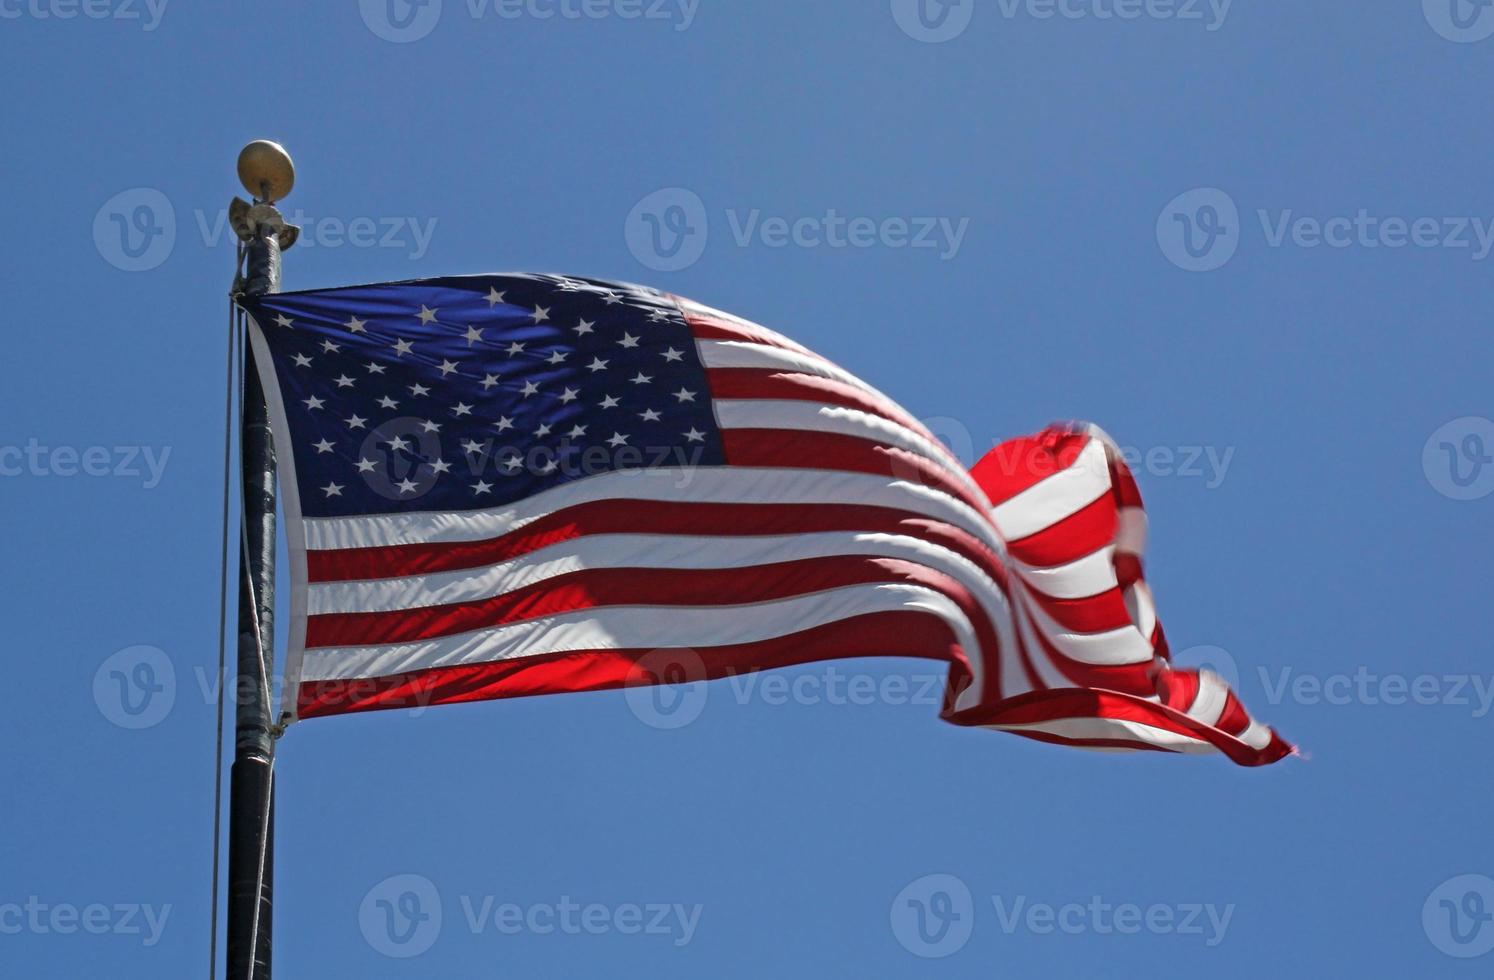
(266, 171)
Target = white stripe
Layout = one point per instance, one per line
(1208, 703)
(1257, 736)
(742, 354)
(1130, 531)
(1080, 579)
(1055, 497)
(640, 627)
(700, 309)
(709, 484)
(290, 503)
(1143, 610)
(804, 416)
(1108, 649)
(642, 551)
(1114, 728)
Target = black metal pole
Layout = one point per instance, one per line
(251, 818)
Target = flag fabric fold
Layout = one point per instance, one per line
(507, 485)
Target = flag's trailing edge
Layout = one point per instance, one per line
(507, 485)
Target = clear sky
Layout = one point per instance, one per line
(1251, 240)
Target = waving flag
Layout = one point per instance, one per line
(508, 485)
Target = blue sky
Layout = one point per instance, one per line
(1250, 240)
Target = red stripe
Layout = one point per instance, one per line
(1045, 706)
(833, 451)
(635, 517)
(1082, 533)
(919, 634)
(596, 588)
(709, 324)
(1022, 464)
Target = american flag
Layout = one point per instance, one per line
(507, 485)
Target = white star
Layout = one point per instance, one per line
(530, 388)
(695, 435)
(333, 489)
(322, 447)
(366, 465)
(398, 444)
(610, 298)
(542, 431)
(685, 396)
(550, 467)
(489, 381)
(597, 364)
(540, 314)
(330, 347)
(658, 315)
(577, 432)
(344, 381)
(641, 379)
(473, 335)
(568, 396)
(618, 439)
(494, 297)
(514, 348)
(314, 402)
(388, 402)
(283, 320)
(440, 466)
(407, 486)
(356, 422)
(375, 368)
(504, 424)
(649, 416)
(462, 408)
(628, 340)
(419, 389)
(471, 446)
(584, 327)
(356, 325)
(482, 486)
(301, 360)
(673, 355)
(609, 402)
(556, 357)
(427, 314)
(429, 426)
(511, 464)
(448, 368)
(401, 347)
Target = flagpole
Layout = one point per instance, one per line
(266, 171)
